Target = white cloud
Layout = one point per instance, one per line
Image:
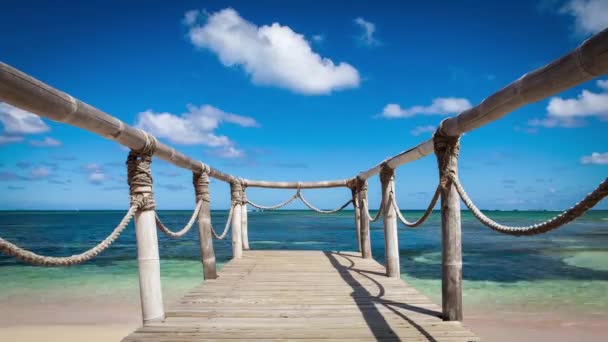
(590, 16)
(7, 139)
(17, 121)
(271, 55)
(229, 152)
(195, 127)
(40, 172)
(368, 29)
(570, 113)
(423, 129)
(98, 177)
(596, 158)
(440, 106)
(191, 16)
(318, 38)
(92, 167)
(46, 142)
(95, 173)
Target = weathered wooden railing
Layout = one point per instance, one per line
(21, 90)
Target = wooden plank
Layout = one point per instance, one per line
(303, 295)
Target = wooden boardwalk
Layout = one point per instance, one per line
(303, 295)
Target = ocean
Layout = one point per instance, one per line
(561, 271)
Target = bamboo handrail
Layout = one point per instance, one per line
(586, 62)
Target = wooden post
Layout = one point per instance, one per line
(244, 228)
(237, 239)
(201, 186)
(391, 238)
(446, 150)
(357, 214)
(148, 262)
(366, 247)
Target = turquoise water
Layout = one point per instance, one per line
(563, 270)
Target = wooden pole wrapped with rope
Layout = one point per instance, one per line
(203, 196)
(353, 185)
(391, 238)
(236, 198)
(141, 195)
(244, 221)
(366, 246)
(447, 149)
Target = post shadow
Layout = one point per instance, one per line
(366, 301)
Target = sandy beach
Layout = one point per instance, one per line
(26, 320)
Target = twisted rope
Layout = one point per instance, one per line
(277, 206)
(226, 228)
(320, 211)
(40, 260)
(555, 222)
(424, 216)
(378, 214)
(183, 231)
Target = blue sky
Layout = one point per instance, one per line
(300, 90)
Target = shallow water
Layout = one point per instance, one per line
(563, 270)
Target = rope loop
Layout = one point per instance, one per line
(447, 149)
(30, 257)
(555, 222)
(139, 175)
(177, 234)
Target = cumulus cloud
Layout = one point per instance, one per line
(96, 174)
(368, 29)
(590, 16)
(195, 127)
(35, 174)
(98, 177)
(596, 158)
(270, 54)
(318, 38)
(419, 130)
(439, 106)
(17, 123)
(46, 142)
(572, 112)
(40, 172)
(7, 139)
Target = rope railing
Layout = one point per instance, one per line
(378, 214)
(321, 211)
(422, 218)
(276, 206)
(557, 221)
(183, 231)
(298, 195)
(30, 257)
(226, 227)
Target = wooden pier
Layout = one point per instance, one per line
(303, 295)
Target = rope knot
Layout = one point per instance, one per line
(447, 149)
(236, 192)
(361, 184)
(201, 186)
(139, 175)
(386, 173)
